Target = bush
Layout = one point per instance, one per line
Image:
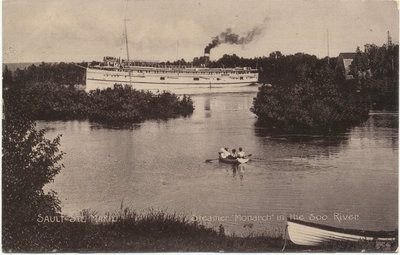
(111, 106)
(126, 105)
(317, 104)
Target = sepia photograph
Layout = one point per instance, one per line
(265, 126)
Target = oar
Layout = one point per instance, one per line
(258, 159)
(209, 160)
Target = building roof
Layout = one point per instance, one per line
(348, 55)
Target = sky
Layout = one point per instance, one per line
(160, 30)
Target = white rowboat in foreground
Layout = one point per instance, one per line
(312, 234)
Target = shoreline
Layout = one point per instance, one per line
(157, 231)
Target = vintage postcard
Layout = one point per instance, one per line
(200, 126)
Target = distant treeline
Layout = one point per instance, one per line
(116, 106)
(55, 73)
(382, 61)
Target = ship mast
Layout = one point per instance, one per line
(126, 43)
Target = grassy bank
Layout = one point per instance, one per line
(127, 231)
(155, 231)
(111, 106)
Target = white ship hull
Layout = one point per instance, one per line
(166, 79)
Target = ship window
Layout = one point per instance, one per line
(218, 79)
(195, 78)
(162, 78)
(241, 77)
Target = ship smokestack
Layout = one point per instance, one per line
(206, 56)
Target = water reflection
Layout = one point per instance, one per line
(207, 103)
(386, 120)
(238, 170)
(121, 126)
(207, 106)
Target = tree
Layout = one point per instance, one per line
(7, 77)
(29, 162)
(275, 54)
(360, 64)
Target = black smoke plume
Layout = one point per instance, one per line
(231, 38)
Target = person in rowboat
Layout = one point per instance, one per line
(241, 153)
(233, 155)
(224, 153)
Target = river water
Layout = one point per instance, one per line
(161, 165)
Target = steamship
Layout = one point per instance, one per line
(117, 72)
(113, 72)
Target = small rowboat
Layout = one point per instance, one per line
(312, 234)
(236, 161)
